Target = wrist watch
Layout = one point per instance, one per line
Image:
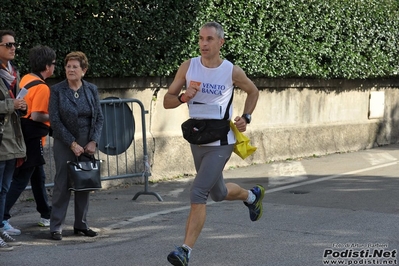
(247, 118)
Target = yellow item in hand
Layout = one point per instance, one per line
(242, 147)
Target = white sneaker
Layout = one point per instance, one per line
(9, 240)
(44, 222)
(10, 230)
(4, 246)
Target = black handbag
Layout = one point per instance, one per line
(84, 175)
(205, 131)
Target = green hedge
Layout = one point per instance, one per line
(269, 38)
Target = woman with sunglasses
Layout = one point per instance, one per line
(12, 145)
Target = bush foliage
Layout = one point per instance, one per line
(267, 38)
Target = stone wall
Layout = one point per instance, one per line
(294, 118)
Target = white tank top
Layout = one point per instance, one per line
(216, 89)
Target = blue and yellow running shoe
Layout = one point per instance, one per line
(256, 208)
(178, 257)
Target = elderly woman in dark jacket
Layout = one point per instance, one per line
(76, 120)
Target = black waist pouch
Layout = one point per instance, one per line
(205, 131)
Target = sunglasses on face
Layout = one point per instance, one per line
(9, 45)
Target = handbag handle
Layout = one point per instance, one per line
(92, 159)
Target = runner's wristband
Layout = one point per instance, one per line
(180, 98)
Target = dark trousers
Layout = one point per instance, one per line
(20, 181)
(6, 171)
(61, 194)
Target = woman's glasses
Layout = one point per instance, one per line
(9, 45)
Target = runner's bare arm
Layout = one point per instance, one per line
(241, 80)
(170, 99)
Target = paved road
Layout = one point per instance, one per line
(343, 207)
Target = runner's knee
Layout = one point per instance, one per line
(198, 196)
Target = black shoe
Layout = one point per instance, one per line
(86, 232)
(56, 235)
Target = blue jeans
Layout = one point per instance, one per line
(19, 182)
(6, 172)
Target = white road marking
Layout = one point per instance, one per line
(272, 190)
(144, 217)
(175, 193)
(379, 158)
(328, 178)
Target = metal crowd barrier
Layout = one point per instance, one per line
(118, 149)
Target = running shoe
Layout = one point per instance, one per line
(44, 222)
(10, 230)
(256, 208)
(178, 257)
